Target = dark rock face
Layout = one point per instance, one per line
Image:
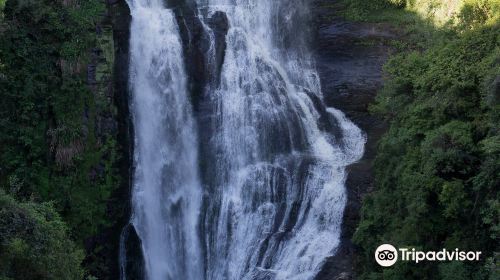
(133, 266)
(203, 64)
(220, 26)
(119, 208)
(202, 73)
(195, 42)
(349, 61)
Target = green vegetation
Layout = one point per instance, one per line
(34, 243)
(436, 12)
(55, 142)
(422, 23)
(437, 168)
(436, 171)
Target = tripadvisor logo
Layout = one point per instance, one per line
(387, 255)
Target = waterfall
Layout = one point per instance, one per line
(253, 186)
(166, 193)
(278, 195)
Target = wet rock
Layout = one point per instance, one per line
(344, 276)
(349, 59)
(325, 122)
(120, 124)
(133, 260)
(195, 43)
(219, 25)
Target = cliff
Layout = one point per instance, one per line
(350, 56)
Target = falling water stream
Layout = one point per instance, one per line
(166, 194)
(263, 196)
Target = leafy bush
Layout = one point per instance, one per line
(437, 167)
(51, 145)
(34, 243)
(479, 12)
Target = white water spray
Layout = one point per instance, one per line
(275, 194)
(278, 196)
(166, 188)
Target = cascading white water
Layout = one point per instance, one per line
(277, 197)
(166, 187)
(275, 162)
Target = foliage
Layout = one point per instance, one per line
(2, 5)
(424, 22)
(437, 167)
(464, 12)
(479, 12)
(360, 10)
(34, 243)
(52, 144)
(50, 150)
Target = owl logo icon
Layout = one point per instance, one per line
(386, 255)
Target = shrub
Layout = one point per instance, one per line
(34, 243)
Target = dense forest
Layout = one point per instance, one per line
(58, 140)
(437, 167)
